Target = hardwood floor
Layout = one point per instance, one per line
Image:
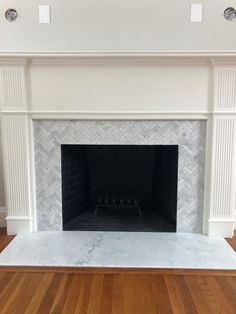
(4, 239)
(232, 241)
(114, 291)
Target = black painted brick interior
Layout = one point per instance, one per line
(165, 182)
(147, 172)
(75, 185)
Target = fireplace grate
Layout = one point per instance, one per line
(114, 203)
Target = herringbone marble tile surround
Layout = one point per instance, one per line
(189, 135)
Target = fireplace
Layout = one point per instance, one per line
(183, 100)
(119, 187)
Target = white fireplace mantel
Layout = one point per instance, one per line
(124, 86)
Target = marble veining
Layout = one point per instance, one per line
(190, 136)
(119, 249)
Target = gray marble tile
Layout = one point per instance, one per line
(119, 249)
(189, 135)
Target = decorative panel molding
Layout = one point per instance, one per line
(225, 89)
(223, 167)
(16, 163)
(13, 89)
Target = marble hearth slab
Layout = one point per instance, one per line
(119, 249)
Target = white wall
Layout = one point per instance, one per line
(2, 203)
(117, 25)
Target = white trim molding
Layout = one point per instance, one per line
(119, 58)
(221, 159)
(15, 143)
(18, 225)
(216, 54)
(118, 115)
(221, 227)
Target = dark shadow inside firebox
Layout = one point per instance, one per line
(119, 187)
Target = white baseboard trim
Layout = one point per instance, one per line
(221, 227)
(3, 214)
(18, 225)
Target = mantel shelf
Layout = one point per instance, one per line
(152, 58)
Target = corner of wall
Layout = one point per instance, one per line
(235, 219)
(3, 214)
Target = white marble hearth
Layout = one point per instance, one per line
(119, 249)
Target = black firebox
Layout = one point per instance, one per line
(119, 187)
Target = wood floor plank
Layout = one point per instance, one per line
(73, 294)
(185, 295)
(232, 283)
(118, 295)
(155, 299)
(95, 294)
(5, 280)
(45, 306)
(232, 242)
(62, 294)
(107, 294)
(203, 296)
(160, 294)
(136, 295)
(6, 290)
(175, 300)
(40, 294)
(227, 292)
(4, 239)
(221, 299)
(84, 296)
(143, 298)
(180, 297)
(10, 294)
(25, 292)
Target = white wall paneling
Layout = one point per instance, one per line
(13, 88)
(16, 167)
(225, 89)
(119, 88)
(223, 172)
(15, 143)
(223, 154)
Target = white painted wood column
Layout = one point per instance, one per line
(222, 159)
(15, 141)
